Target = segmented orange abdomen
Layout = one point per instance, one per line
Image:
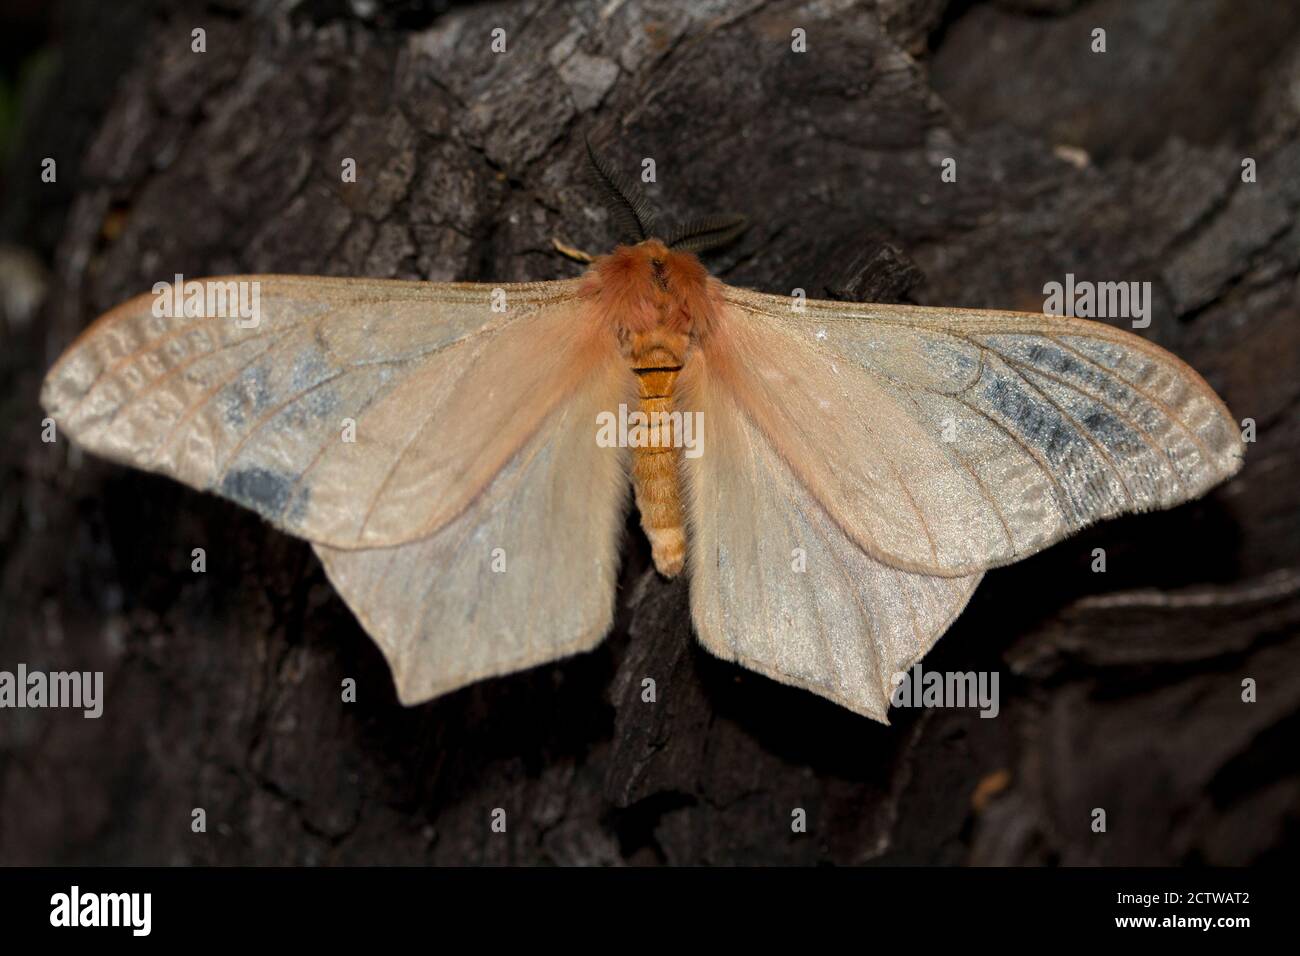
(655, 470)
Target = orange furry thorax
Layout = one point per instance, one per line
(656, 300)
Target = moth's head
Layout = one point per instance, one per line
(649, 282)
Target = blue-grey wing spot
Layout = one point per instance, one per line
(309, 368)
(961, 364)
(266, 492)
(313, 394)
(1051, 358)
(1042, 421)
(1030, 417)
(250, 393)
(1127, 423)
(1113, 434)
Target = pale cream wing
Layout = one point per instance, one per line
(776, 584)
(948, 441)
(524, 575)
(354, 412)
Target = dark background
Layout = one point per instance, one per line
(1119, 690)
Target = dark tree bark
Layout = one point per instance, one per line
(1119, 690)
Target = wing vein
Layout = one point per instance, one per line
(1058, 489)
(210, 393)
(1160, 403)
(1019, 370)
(1118, 412)
(979, 483)
(136, 395)
(822, 639)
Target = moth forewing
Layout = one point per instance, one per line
(434, 387)
(1015, 429)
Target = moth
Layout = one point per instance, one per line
(860, 466)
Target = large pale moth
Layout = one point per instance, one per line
(859, 466)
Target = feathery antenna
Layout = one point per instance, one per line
(628, 207)
(635, 222)
(701, 235)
